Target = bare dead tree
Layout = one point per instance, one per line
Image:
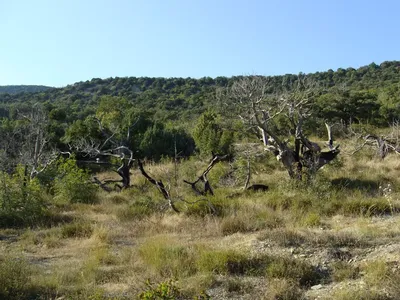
(384, 144)
(31, 141)
(109, 146)
(248, 172)
(160, 186)
(203, 177)
(96, 150)
(259, 106)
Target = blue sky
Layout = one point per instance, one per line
(60, 42)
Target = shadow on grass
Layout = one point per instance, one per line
(369, 186)
(48, 219)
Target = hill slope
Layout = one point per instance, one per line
(374, 87)
(16, 89)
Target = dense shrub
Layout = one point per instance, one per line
(72, 184)
(164, 290)
(21, 200)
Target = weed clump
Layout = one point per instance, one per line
(164, 290)
(78, 229)
(139, 209)
(14, 278)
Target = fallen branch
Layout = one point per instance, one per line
(383, 144)
(102, 184)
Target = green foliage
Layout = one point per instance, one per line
(312, 220)
(361, 294)
(82, 129)
(250, 221)
(166, 290)
(209, 135)
(293, 238)
(204, 207)
(221, 261)
(16, 89)
(343, 271)
(113, 112)
(139, 209)
(21, 200)
(72, 184)
(159, 141)
(141, 104)
(302, 272)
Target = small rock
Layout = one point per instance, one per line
(316, 287)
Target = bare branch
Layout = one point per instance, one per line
(159, 184)
(203, 177)
(260, 105)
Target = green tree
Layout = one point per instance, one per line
(159, 141)
(72, 183)
(209, 135)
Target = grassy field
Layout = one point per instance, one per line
(335, 238)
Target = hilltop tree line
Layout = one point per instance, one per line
(161, 111)
(16, 89)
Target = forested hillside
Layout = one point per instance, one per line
(370, 93)
(15, 89)
(168, 106)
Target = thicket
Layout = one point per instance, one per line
(26, 201)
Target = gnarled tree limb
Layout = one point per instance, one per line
(203, 177)
(160, 186)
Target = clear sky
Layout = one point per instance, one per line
(57, 42)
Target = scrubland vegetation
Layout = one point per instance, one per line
(337, 237)
(107, 190)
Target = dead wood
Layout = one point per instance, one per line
(203, 177)
(160, 186)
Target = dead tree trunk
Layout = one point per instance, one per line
(248, 174)
(160, 186)
(384, 145)
(203, 177)
(124, 172)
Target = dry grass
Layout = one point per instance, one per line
(275, 245)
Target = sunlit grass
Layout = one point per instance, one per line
(229, 242)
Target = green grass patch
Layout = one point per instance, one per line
(78, 229)
(287, 237)
(283, 289)
(137, 210)
(289, 268)
(364, 294)
(15, 278)
(343, 271)
(169, 258)
(172, 260)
